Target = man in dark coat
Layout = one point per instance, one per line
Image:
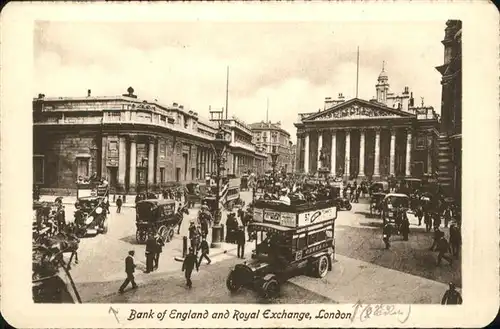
(150, 253)
(158, 251)
(455, 240)
(386, 234)
(437, 235)
(232, 226)
(119, 203)
(443, 249)
(190, 262)
(419, 213)
(451, 296)
(240, 239)
(205, 250)
(194, 237)
(129, 269)
(405, 227)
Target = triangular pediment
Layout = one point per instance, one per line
(358, 109)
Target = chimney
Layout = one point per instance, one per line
(175, 104)
(341, 97)
(89, 92)
(41, 96)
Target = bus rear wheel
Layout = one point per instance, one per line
(320, 267)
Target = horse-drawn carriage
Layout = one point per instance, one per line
(52, 282)
(157, 217)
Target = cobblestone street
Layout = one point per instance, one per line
(360, 272)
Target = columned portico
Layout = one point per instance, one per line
(408, 153)
(392, 153)
(362, 153)
(151, 161)
(347, 169)
(320, 146)
(333, 153)
(122, 162)
(376, 165)
(306, 153)
(133, 163)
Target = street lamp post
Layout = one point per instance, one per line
(274, 162)
(220, 145)
(144, 162)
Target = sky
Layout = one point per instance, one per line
(295, 65)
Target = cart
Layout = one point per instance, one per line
(155, 216)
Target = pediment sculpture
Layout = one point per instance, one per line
(354, 112)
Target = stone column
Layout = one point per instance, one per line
(347, 153)
(392, 154)
(361, 172)
(151, 162)
(236, 171)
(306, 153)
(122, 162)
(320, 145)
(408, 153)
(133, 164)
(376, 165)
(333, 154)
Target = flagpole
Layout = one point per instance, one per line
(357, 74)
(267, 111)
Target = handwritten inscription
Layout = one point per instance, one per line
(369, 311)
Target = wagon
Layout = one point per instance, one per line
(154, 216)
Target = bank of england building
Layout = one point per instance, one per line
(133, 143)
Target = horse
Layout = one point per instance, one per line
(68, 243)
(179, 216)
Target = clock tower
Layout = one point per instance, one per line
(382, 86)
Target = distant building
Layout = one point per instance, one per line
(450, 139)
(387, 136)
(244, 156)
(272, 137)
(127, 140)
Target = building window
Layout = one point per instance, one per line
(421, 142)
(38, 169)
(82, 167)
(113, 146)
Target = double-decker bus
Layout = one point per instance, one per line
(289, 240)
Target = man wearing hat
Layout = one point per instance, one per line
(150, 253)
(190, 262)
(129, 269)
(205, 250)
(240, 240)
(193, 236)
(158, 251)
(451, 296)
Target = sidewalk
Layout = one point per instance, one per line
(353, 280)
(70, 200)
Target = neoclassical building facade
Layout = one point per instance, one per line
(130, 141)
(375, 139)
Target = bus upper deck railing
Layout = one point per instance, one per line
(293, 208)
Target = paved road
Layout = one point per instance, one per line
(365, 270)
